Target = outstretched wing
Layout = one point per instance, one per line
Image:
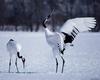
(73, 26)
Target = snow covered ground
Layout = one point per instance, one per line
(82, 60)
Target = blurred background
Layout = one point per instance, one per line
(27, 15)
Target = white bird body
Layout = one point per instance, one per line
(54, 39)
(58, 40)
(14, 48)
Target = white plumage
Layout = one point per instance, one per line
(14, 48)
(82, 24)
(54, 39)
(58, 40)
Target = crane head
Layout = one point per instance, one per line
(50, 14)
(11, 40)
(47, 18)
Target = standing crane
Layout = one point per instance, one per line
(14, 49)
(69, 30)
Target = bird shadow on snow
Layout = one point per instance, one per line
(5, 72)
(20, 72)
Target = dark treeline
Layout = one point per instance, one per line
(27, 15)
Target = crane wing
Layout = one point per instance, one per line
(59, 40)
(78, 25)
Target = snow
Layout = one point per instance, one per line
(82, 60)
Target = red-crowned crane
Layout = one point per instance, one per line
(58, 40)
(14, 49)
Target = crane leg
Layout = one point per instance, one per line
(63, 64)
(9, 65)
(16, 65)
(56, 65)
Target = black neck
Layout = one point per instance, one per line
(18, 55)
(44, 25)
(44, 22)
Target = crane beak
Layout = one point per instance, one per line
(23, 60)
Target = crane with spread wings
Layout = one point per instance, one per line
(69, 30)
